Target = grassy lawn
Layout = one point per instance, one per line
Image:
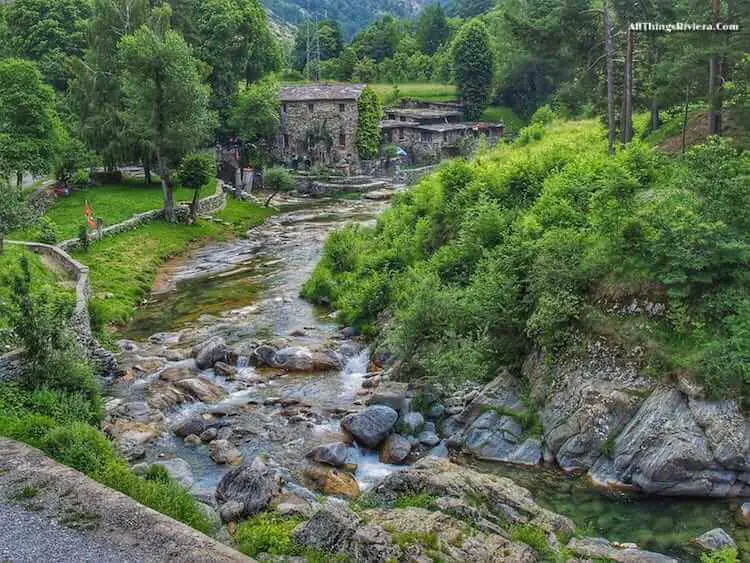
(123, 268)
(42, 280)
(513, 123)
(113, 203)
(425, 91)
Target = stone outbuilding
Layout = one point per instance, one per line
(319, 124)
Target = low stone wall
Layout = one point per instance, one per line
(80, 322)
(410, 176)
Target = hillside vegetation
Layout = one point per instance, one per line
(549, 242)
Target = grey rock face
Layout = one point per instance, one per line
(253, 485)
(334, 454)
(371, 426)
(487, 432)
(336, 529)
(395, 449)
(715, 539)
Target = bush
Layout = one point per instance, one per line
(529, 134)
(46, 231)
(267, 533)
(543, 116)
(80, 446)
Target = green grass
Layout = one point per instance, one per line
(123, 268)
(513, 123)
(267, 533)
(113, 203)
(424, 91)
(422, 500)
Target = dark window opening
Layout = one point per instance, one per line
(342, 138)
(342, 108)
(286, 141)
(311, 107)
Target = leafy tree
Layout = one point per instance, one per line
(471, 8)
(380, 40)
(49, 32)
(432, 29)
(365, 71)
(255, 118)
(331, 41)
(277, 180)
(195, 172)
(13, 210)
(473, 63)
(166, 104)
(29, 126)
(72, 156)
(368, 124)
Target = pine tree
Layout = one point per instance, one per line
(474, 67)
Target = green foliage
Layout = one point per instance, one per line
(474, 67)
(196, 170)
(535, 538)
(29, 126)
(255, 117)
(13, 210)
(544, 115)
(724, 555)
(486, 260)
(432, 29)
(368, 124)
(422, 500)
(46, 231)
(529, 134)
(267, 533)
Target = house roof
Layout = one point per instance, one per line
(423, 113)
(440, 127)
(319, 92)
(397, 123)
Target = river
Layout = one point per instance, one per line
(249, 288)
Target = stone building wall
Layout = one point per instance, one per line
(339, 116)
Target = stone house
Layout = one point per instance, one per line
(431, 131)
(319, 123)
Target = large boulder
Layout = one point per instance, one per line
(334, 454)
(201, 389)
(179, 470)
(500, 498)
(336, 529)
(252, 485)
(448, 538)
(395, 449)
(207, 353)
(391, 394)
(223, 452)
(189, 426)
(714, 540)
(296, 358)
(333, 482)
(371, 426)
(601, 549)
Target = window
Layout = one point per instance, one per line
(445, 136)
(342, 138)
(284, 108)
(426, 136)
(286, 141)
(342, 108)
(311, 107)
(403, 118)
(401, 134)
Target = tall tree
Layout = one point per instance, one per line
(255, 118)
(432, 29)
(370, 113)
(715, 89)
(474, 66)
(13, 211)
(166, 102)
(29, 126)
(49, 32)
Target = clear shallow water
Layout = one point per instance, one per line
(247, 285)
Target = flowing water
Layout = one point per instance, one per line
(249, 289)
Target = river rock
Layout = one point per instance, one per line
(436, 411)
(333, 482)
(193, 440)
(209, 434)
(713, 540)
(201, 389)
(302, 359)
(498, 495)
(223, 452)
(413, 422)
(334, 454)
(600, 548)
(429, 438)
(263, 356)
(179, 470)
(371, 426)
(184, 370)
(225, 370)
(253, 485)
(396, 449)
(450, 539)
(207, 353)
(391, 394)
(336, 529)
(231, 511)
(290, 505)
(193, 425)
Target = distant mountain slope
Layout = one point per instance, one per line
(352, 15)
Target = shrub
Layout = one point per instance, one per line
(724, 555)
(543, 115)
(83, 237)
(46, 231)
(267, 533)
(80, 446)
(529, 134)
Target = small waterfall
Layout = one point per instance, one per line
(243, 362)
(356, 366)
(370, 470)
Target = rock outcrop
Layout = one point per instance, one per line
(252, 486)
(371, 426)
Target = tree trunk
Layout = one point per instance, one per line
(685, 117)
(610, 80)
(714, 82)
(194, 207)
(268, 201)
(147, 170)
(627, 126)
(2, 244)
(19, 179)
(166, 187)
(654, 114)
